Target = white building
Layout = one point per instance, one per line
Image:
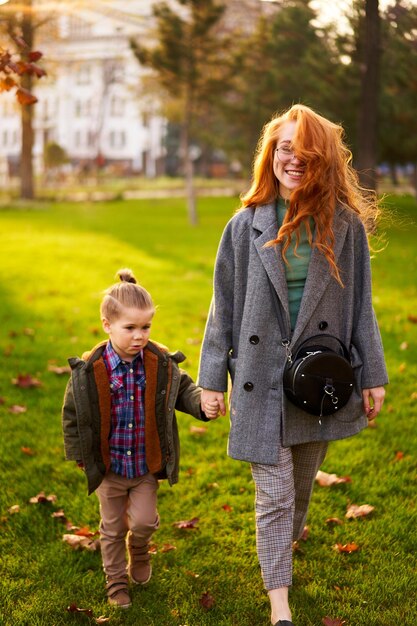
(92, 102)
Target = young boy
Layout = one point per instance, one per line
(119, 426)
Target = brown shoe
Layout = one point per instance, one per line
(139, 568)
(117, 593)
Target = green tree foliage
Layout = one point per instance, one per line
(54, 155)
(186, 59)
(287, 59)
(398, 103)
(397, 99)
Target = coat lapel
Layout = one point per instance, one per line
(265, 221)
(318, 277)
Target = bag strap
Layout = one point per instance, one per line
(286, 336)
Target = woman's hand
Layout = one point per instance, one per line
(373, 399)
(212, 402)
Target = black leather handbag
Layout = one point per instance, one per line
(319, 378)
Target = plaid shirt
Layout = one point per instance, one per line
(127, 435)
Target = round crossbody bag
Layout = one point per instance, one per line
(319, 379)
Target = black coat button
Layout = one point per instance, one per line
(323, 325)
(254, 340)
(248, 386)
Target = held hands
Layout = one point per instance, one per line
(373, 399)
(212, 402)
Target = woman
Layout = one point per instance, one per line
(296, 250)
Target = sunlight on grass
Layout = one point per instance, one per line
(56, 261)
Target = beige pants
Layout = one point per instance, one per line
(126, 504)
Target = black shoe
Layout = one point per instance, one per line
(284, 622)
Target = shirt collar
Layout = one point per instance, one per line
(114, 360)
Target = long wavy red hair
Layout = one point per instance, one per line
(329, 179)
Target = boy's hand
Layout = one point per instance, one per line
(212, 402)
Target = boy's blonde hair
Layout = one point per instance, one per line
(127, 293)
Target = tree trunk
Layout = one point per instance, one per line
(26, 163)
(189, 166)
(368, 114)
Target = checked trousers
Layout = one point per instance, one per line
(283, 493)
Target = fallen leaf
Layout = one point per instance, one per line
(27, 451)
(334, 520)
(81, 543)
(25, 381)
(86, 532)
(2, 400)
(29, 332)
(404, 346)
(347, 547)
(17, 409)
(59, 370)
(101, 619)
(193, 574)
(227, 508)
(187, 523)
(14, 509)
(402, 368)
(305, 533)
(327, 480)
(73, 608)
(412, 319)
(167, 547)
(193, 341)
(213, 486)
(207, 601)
(330, 621)
(355, 510)
(41, 498)
(399, 455)
(198, 430)
(414, 395)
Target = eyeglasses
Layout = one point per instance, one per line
(285, 153)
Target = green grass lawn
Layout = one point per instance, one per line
(56, 260)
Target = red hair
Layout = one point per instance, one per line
(328, 179)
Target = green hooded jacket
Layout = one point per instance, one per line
(86, 412)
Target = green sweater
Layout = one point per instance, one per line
(297, 267)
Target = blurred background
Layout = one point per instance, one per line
(110, 94)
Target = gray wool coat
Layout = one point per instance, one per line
(243, 336)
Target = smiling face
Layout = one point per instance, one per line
(288, 169)
(129, 333)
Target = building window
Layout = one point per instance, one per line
(117, 106)
(84, 75)
(117, 139)
(82, 108)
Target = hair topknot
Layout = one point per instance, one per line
(126, 293)
(126, 275)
